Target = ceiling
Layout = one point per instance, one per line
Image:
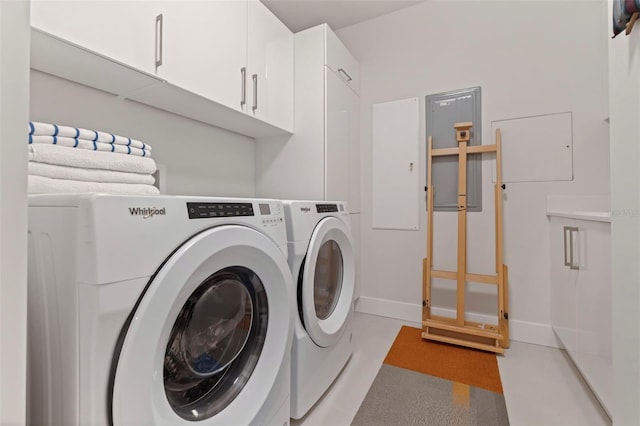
(302, 14)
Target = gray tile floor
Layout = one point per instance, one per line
(541, 386)
(403, 397)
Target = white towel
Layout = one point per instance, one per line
(46, 129)
(87, 144)
(72, 157)
(45, 185)
(88, 175)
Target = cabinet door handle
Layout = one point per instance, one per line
(255, 91)
(569, 260)
(566, 229)
(572, 263)
(159, 35)
(342, 71)
(243, 86)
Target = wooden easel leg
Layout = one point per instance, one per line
(426, 290)
(501, 268)
(462, 232)
(427, 262)
(504, 329)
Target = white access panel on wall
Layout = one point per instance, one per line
(536, 149)
(395, 152)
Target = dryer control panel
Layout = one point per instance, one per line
(327, 208)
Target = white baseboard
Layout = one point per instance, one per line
(521, 331)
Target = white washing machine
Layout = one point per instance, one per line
(322, 263)
(158, 311)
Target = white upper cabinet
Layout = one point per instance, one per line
(224, 62)
(121, 30)
(269, 67)
(204, 48)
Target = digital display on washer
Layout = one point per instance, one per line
(326, 208)
(264, 209)
(209, 210)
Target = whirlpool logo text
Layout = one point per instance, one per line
(147, 212)
(305, 209)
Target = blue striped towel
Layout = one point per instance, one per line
(87, 144)
(46, 129)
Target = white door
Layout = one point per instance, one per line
(209, 334)
(270, 67)
(328, 282)
(204, 48)
(121, 30)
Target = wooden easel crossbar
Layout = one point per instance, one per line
(489, 337)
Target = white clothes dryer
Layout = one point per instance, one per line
(322, 263)
(158, 311)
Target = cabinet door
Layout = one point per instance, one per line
(341, 132)
(121, 30)
(594, 288)
(563, 283)
(270, 67)
(593, 354)
(204, 48)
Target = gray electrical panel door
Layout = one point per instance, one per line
(443, 110)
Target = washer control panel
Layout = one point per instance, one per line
(209, 210)
(271, 214)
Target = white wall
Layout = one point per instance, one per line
(14, 86)
(624, 102)
(530, 58)
(199, 159)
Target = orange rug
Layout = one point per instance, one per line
(458, 364)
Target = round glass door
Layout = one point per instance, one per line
(327, 281)
(215, 343)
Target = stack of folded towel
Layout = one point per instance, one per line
(65, 159)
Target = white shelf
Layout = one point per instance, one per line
(598, 216)
(594, 207)
(59, 57)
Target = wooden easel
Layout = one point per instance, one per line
(489, 337)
